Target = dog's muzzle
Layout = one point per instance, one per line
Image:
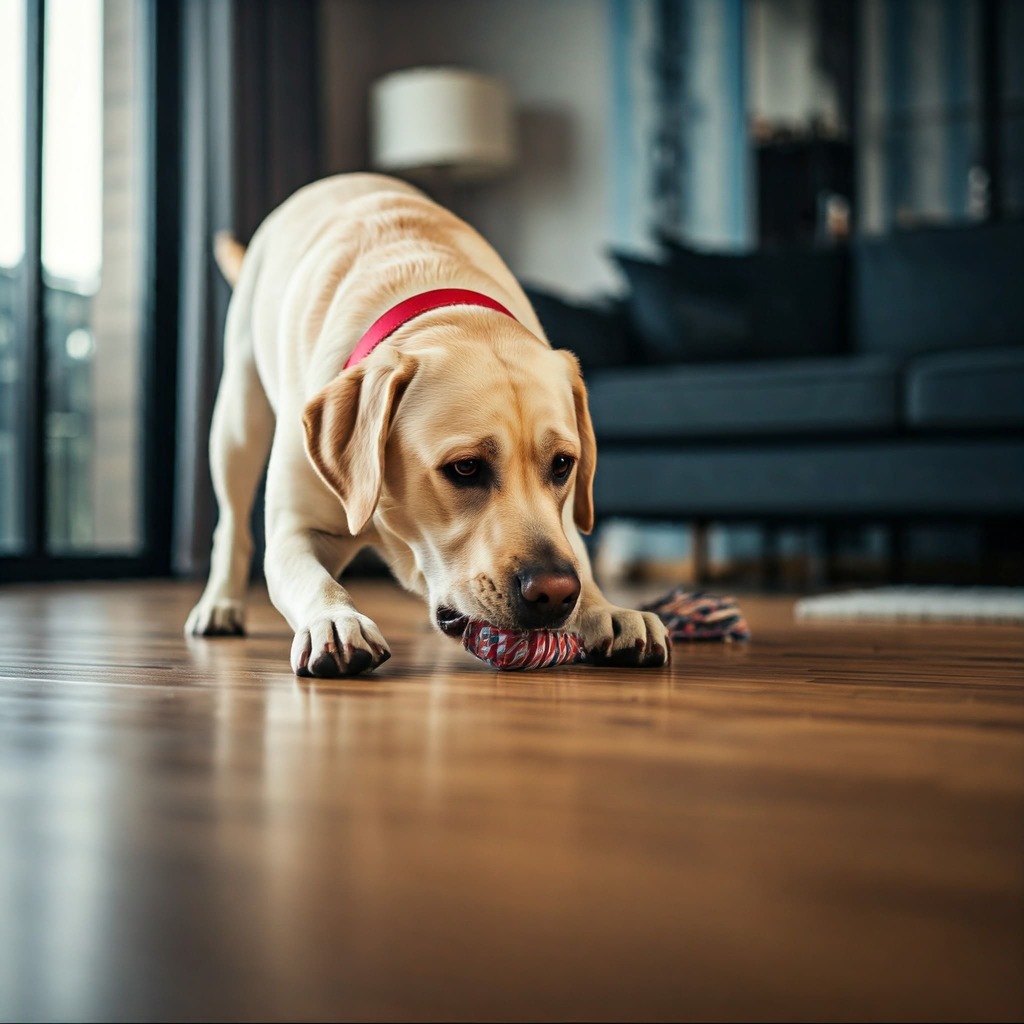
(451, 622)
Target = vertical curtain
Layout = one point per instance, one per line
(250, 137)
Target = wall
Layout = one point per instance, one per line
(552, 217)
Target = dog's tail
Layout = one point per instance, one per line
(229, 252)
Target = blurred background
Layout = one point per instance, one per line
(785, 238)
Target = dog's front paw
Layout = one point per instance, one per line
(620, 636)
(216, 617)
(340, 643)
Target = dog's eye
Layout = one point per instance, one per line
(561, 467)
(467, 472)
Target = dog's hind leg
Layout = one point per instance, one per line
(240, 437)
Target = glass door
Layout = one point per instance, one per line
(79, 188)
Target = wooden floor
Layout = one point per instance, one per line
(825, 823)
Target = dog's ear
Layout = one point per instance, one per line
(583, 499)
(347, 425)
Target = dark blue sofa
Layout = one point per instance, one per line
(908, 406)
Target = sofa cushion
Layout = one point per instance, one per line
(866, 478)
(829, 396)
(796, 295)
(981, 388)
(940, 289)
(677, 320)
(713, 306)
(598, 332)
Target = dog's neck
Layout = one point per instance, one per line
(399, 315)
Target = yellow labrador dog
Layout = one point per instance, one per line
(460, 446)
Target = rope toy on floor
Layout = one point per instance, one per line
(699, 616)
(688, 616)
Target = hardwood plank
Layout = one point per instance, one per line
(827, 822)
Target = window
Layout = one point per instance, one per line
(941, 90)
(86, 386)
(12, 254)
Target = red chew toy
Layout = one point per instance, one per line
(688, 616)
(511, 649)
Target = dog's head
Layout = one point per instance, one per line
(473, 459)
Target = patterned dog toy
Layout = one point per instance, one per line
(510, 649)
(688, 616)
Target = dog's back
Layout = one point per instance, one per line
(339, 252)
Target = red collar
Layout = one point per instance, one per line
(386, 325)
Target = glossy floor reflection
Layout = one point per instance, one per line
(828, 822)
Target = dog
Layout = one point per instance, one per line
(461, 446)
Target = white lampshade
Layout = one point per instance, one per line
(441, 122)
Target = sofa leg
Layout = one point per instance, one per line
(771, 570)
(699, 551)
(830, 554)
(897, 569)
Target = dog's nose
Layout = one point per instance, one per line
(547, 596)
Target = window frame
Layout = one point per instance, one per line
(160, 163)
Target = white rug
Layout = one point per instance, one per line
(918, 604)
